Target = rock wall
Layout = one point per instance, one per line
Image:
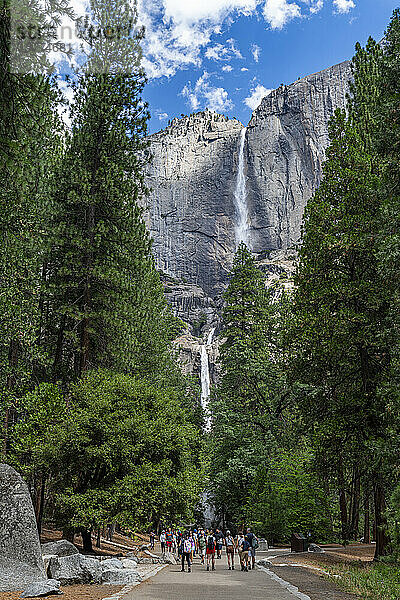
(190, 207)
(191, 213)
(286, 142)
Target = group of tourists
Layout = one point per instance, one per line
(208, 546)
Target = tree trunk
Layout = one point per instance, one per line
(355, 512)
(367, 527)
(39, 502)
(87, 540)
(59, 347)
(69, 534)
(98, 539)
(382, 537)
(85, 325)
(343, 503)
(41, 508)
(9, 415)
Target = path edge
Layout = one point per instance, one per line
(130, 587)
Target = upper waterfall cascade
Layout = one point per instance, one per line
(242, 229)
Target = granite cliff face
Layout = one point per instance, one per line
(213, 184)
(286, 142)
(191, 208)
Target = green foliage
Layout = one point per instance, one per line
(368, 581)
(113, 448)
(286, 496)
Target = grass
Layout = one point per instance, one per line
(376, 581)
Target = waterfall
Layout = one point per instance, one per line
(210, 336)
(242, 233)
(208, 509)
(205, 376)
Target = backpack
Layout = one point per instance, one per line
(210, 542)
(187, 546)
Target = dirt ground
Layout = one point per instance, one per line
(333, 555)
(305, 570)
(51, 535)
(75, 592)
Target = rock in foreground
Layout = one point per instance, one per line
(60, 548)
(51, 587)
(75, 569)
(120, 576)
(20, 555)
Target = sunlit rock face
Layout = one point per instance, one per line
(191, 212)
(286, 142)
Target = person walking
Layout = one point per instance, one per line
(230, 550)
(253, 545)
(210, 550)
(169, 538)
(186, 550)
(195, 537)
(219, 539)
(202, 543)
(179, 538)
(243, 549)
(152, 540)
(162, 541)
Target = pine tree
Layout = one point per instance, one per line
(29, 145)
(340, 307)
(244, 407)
(107, 306)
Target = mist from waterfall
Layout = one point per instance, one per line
(242, 233)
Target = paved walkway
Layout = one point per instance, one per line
(171, 584)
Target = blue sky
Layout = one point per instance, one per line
(226, 54)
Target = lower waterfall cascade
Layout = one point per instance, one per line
(205, 376)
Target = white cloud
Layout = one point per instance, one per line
(256, 95)
(227, 68)
(256, 50)
(344, 6)
(279, 12)
(204, 94)
(221, 52)
(316, 6)
(177, 31)
(244, 69)
(162, 116)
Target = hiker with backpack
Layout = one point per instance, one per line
(210, 550)
(243, 550)
(219, 538)
(202, 543)
(186, 551)
(253, 545)
(230, 550)
(152, 540)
